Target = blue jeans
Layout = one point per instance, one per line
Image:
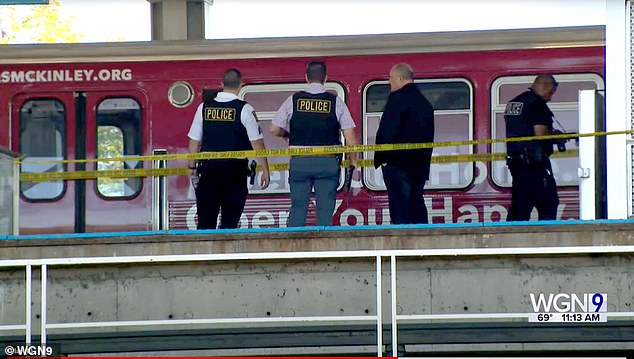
(405, 194)
(306, 172)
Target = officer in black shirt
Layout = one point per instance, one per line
(408, 117)
(529, 161)
(224, 123)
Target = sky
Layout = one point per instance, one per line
(129, 20)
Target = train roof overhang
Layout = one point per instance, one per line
(583, 36)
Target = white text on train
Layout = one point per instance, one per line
(76, 75)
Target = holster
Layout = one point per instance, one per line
(252, 168)
(339, 158)
(529, 156)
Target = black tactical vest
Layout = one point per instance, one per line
(223, 129)
(519, 117)
(314, 121)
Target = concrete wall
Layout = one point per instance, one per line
(257, 288)
(294, 288)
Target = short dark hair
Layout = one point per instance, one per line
(316, 71)
(232, 79)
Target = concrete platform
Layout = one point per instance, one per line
(307, 239)
(218, 291)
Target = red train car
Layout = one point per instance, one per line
(90, 101)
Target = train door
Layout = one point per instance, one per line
(592, 156)
(55, 126)
(114, 129)
(44, 135)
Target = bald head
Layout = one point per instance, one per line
(404, 70)
(400, 75)
(545, 86)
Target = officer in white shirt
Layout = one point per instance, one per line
(225, 123)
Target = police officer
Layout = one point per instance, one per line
(529, 161)
(408, 117)
(314, 117)
(224, 123)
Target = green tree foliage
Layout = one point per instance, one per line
(110, 145)
(35, 24)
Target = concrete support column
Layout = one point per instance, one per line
(179, 19)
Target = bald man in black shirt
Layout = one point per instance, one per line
(408, 118)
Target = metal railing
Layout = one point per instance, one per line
(9, 192)
(44, 264)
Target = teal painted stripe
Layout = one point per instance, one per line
(316, 228)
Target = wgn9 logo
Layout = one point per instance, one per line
(564, 307)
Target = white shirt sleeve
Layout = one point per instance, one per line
(343, 114)
(196, 129)
(284, 114)
(250, 122)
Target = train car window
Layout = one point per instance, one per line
(118, 135)
(564, 105)
(453, 118)
(42, 138)
(266, 100)
(442, 95)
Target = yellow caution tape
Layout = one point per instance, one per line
(327, 150)
(77, 175)
(152, 172)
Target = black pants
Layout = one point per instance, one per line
(221, 189)
(533, 186)
(405, 194)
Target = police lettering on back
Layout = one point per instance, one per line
(220, 114)
(313, 105)
(514, 108)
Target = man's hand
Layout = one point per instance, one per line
(278, 131)
(353, 159)
(194, 177)
(265, 179)
(560, 142)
